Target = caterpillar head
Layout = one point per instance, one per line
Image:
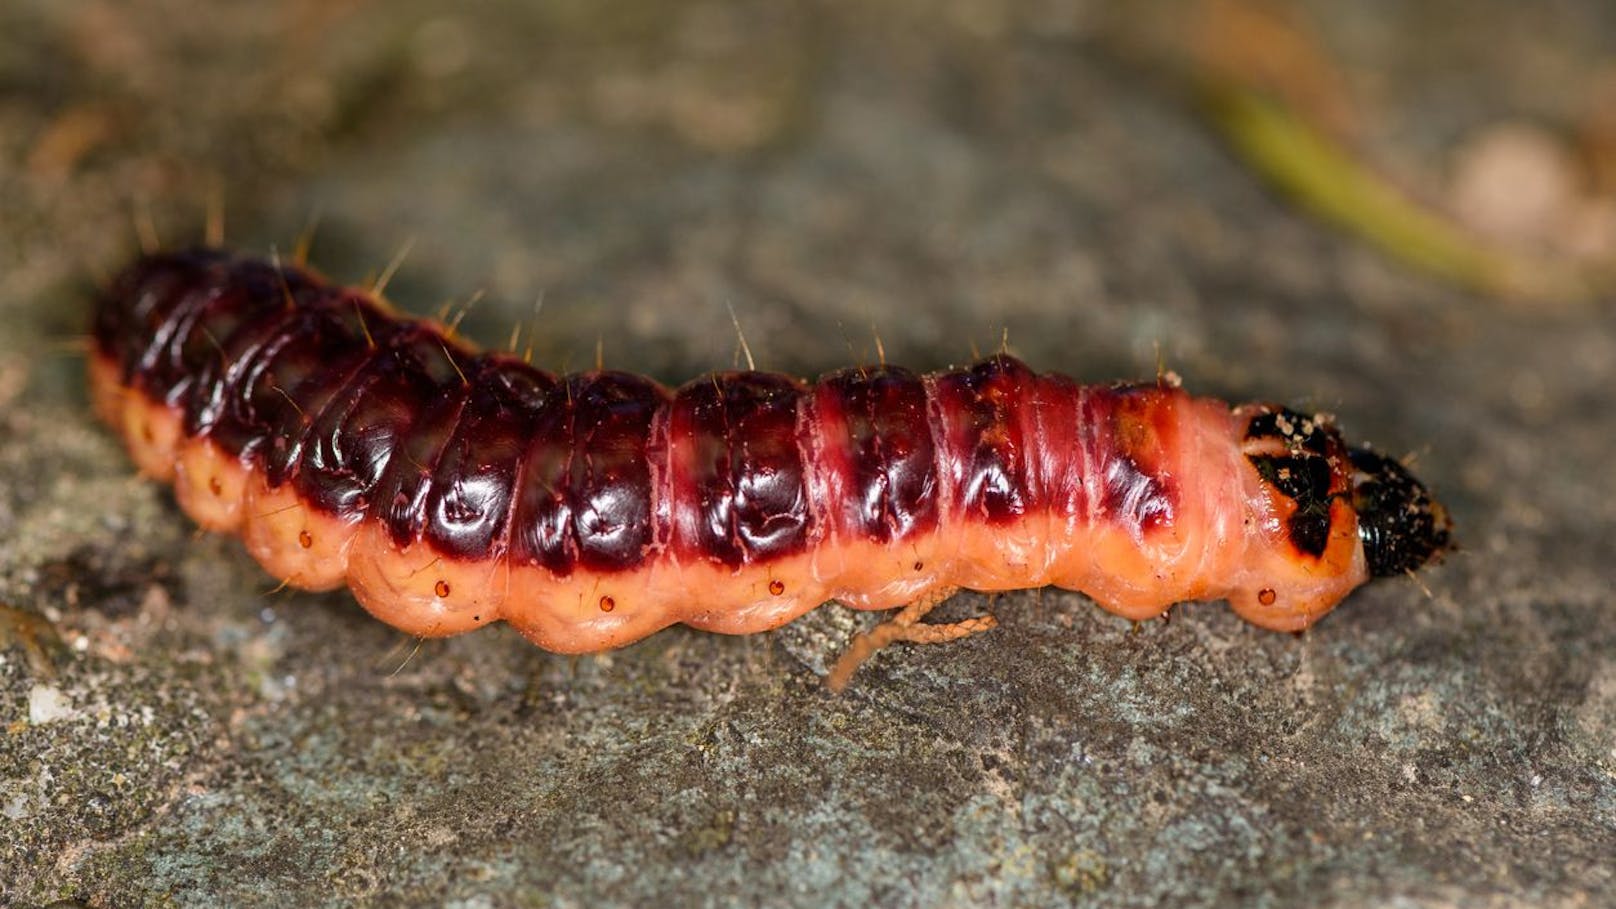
(1401, 526)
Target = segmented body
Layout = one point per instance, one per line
(451, 488)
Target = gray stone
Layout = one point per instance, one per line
(945, 177)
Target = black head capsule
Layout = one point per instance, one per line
(1401, 526)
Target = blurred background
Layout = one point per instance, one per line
(1404, 214)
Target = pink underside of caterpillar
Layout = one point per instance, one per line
(1226, 541)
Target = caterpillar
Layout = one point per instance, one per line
(450, 488)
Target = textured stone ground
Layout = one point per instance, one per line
(939, 174)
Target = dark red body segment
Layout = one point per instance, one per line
(1058, 456)
(582, 480)
(984, 445)
(1128, 429)
(739, 490)
(351, 442)
(614, 481)
(875, 453)
(473, 480)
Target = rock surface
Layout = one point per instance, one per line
(947, 177)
